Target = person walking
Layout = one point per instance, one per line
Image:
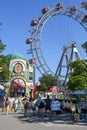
(73, 111)
(48, 105)
(7, 104)
(3, 105)
(26, 106)
(15, 104)
(41, 106)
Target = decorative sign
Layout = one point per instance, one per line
(2, 93)
(55, 106)
(22, 90)
(1, 97)
(12, 68)
(18, 68)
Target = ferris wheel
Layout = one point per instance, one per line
(38, 25)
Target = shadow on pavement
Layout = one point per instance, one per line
(58, 119)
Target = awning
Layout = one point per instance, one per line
(18, 83)
(79, 92)
(1, 87)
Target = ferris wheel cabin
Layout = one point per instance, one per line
(45, 10)
(34, 22)
(29, 40)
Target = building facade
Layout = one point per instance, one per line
(21, 76)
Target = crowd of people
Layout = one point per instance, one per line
(27, 105)
(40, 106)
(11, 104)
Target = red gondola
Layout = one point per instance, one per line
(29, 40)
(85, 18)
(59, 5)
(34, 22)
(74, 8)
(32, 61)
(45, 10)
(84, 4)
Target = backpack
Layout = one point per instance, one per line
(26, 105)
(41, 104)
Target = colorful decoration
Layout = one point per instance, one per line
(18, 68)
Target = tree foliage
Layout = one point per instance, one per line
(2, 46)
(4, 72)
(43, 87)
(84, 45)
(48, 81)
(78, 76)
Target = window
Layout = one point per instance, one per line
(30, 76)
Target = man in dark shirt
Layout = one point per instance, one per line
(48, 104)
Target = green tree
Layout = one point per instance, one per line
(48, 81)
(2, 46)
(43, 87)
(78, 76)
(4, 71)
(84, 45)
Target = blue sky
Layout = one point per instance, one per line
(16, 15)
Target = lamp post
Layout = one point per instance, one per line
(32, 62)
(34, 73)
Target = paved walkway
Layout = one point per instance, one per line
(16, 121)
(64, 118)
